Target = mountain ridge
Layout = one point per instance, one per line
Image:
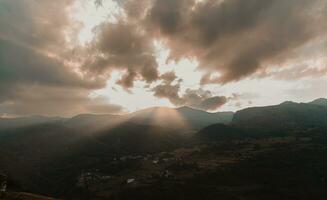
(320, 102)
(162, 116)
(287, 115)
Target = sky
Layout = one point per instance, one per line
(66, 57)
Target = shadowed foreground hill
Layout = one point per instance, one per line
(34, 155)
(25, 196)
(220, 132)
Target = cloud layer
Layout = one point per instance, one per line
(41, 63)
(231, 39)
(36, 75)
(236, 38)
(124, 47)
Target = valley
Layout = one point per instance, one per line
(119, 158)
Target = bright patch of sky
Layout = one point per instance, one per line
(91, 15)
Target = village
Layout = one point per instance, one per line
(135, 171)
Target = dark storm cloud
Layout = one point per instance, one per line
(231, 39)
(170, 92)
(48, 100)
(125, 47)
(31, 32)
(235, 37)
(23, 65)
(168, 15)
(36, 75)
(34, 23)
(168, 77)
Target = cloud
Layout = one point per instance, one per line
(102, 105)
(22, 65)
(236, 38)
(203, 100)
(31, 34)
(38, 73)
(39, 25)
(169, 77)
(212, 103)
(124, 47)
(48, 100)
(230, 39)
(297, 72)
(199, 99)
(169, 91)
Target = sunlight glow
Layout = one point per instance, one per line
(170, 117)
(90, 15)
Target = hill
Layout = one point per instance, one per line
(9, 123)
(285, 116)
(220, 132)
(33, 155)
(202, 119)
(319, 102)
(180, 118)
(185, 118)
(149, 155)
(25, 196)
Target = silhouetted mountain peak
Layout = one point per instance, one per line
(320, 102)
(6, 123)
(96, 120)
(285, 116)
(182, 117)
(288, 103)
(88, 116)
(151, 110)
(187, 108)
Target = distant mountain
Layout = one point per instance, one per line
(202, 118)
(160, 116)
(319, 102)
(8, 123)
(288, 115)
(93, 121)
(180, 118)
